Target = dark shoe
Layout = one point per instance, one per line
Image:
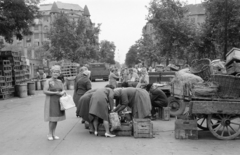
(91, 132)
(83, 121)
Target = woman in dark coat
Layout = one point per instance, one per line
(83, 108)
(82, 85)
(100, 104)
(136, 98)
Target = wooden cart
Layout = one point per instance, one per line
(221, 116)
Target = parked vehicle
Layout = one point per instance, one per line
(98, 71)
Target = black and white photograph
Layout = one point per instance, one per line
(119, 77)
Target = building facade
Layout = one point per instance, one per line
(42, 26)
(196, 14)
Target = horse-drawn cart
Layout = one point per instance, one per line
(221, 116)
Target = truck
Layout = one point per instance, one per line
(98, 71)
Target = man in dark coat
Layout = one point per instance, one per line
(158, 98)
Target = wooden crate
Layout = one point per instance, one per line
(126, 129)
(186, 129)
(142, 128)
(163, 113)
(233, 68)
(233, 54)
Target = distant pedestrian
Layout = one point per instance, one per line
(53, 90)
(113, 77)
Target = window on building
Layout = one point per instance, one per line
(36, 36)
(45, 19)
(193, 20)
(46, 28)
(36, 27)
(45, 35)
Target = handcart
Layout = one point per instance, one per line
(220, 116)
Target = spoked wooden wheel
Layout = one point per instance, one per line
(202, 122)
(224, 126)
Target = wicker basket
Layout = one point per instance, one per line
(229, 85)
(202, 68)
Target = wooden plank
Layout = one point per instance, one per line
(212, 107)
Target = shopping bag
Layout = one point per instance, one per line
(66, 102)
(114, 121)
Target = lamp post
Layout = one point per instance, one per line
(226, 29)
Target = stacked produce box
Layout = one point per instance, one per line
(13, 71)
(69, 69)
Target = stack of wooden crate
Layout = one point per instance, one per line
(13, 71)
(69, 69)
(6, 87)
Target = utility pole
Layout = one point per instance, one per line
(226, 30)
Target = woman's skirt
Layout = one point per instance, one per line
(98, 106)
(83, 106)
(141, 104)
(52, 111)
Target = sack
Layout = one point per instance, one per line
(114, 121)
(66, 102)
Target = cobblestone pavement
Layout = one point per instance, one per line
(23, 132)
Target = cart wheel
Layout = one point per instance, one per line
(224, 126)
(177, 106)
(201, 122)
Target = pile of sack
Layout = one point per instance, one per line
(196, 85)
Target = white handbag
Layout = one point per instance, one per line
(66, 102)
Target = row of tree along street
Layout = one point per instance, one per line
(76, 41)
(175, 36)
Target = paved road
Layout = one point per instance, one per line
(23, 132)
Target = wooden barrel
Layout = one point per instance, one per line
(21, 90)
(31, 88)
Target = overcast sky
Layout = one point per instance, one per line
(121, 20)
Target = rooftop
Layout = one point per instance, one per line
(60, 5)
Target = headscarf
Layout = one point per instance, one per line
(55, 68)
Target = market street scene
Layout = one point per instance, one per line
(134, 77)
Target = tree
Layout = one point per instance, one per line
(42, 52)
(223, 23)
(107, 52)
(132, 56)
(73, 40)
(147, 49)
(174, 32)
(16, 17)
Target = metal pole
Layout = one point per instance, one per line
(226, 29)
